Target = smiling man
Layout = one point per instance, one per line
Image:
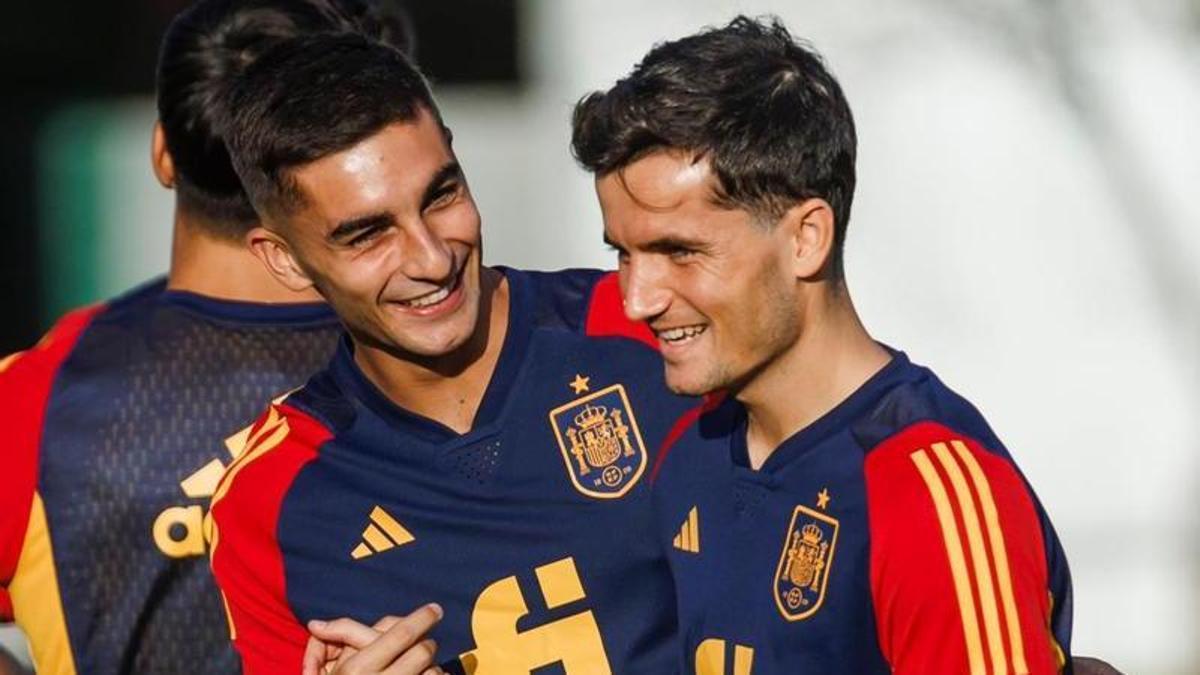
(843, 511)
(482, 439)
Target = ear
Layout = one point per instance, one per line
(160, 158)
(276, 255)
(810, 228)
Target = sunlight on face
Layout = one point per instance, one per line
(713, 284)
(390, 235)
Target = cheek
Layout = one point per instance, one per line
(355, 283)
(762, 306)
(460, 222)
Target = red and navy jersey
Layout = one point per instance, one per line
(893, 535)
(534, 530)
(117, 427)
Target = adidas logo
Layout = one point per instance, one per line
(185, 531)
(382, 533)
(688, 539)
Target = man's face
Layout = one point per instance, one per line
(714, 285)
(389, 234)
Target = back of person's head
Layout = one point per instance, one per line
(760, 107)
(203, 51)
(312, 97)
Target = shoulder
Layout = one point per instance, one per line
(585, 301)
(918, 407)
(928, 462)
(707, 424)
(279, 444)
(26, 383)
(40, 361)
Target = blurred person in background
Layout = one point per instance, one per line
(482, 439)
(122, 418)
(842, 510)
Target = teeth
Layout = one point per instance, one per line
(429, 299)
(681, 333)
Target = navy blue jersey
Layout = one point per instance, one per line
(894, 534)
(117, 427)
(533, 530)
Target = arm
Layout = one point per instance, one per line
(958, 567)
(26, 380)
(246, 559)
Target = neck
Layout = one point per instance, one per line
(449, 388)
(832, 357)
(218, 268)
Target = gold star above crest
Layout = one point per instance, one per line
(823, 498)
(580, 383)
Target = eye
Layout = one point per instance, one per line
(366, 236)
(681, 253)
(444, 195)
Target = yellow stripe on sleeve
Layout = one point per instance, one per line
(979, 558)
(272, 434)
(958, 564)
(999, 552)
(36, 600)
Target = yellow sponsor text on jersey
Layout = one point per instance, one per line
(574, 640)
(710, 658)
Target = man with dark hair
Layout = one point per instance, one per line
(118, 423)
(842, 510)
(483, 436)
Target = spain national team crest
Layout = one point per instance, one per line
(804, 564)
(600, 441)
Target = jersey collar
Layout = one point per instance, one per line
(898, 370)
(495, 398)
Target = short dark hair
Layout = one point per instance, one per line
(310, 97)
(204, 48)
(761, 107)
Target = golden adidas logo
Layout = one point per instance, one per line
(186, 530)
(382, 533)
(688, 539)
(181, 531)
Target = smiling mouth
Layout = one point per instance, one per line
(435, 297)
(680, 335)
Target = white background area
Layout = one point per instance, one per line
(1025, 223)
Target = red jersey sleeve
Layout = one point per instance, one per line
(606, 314)
(246, 559)
(958, 567)
(26, 380)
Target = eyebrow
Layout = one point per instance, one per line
(663, 244)
(354, 225)
(450, 172)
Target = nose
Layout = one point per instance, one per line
(425, 255)
(644, 289)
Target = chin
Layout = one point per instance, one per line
(434, 346)
(685, 384)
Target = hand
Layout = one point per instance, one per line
(394, 645)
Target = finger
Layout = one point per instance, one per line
(400, 637)
(343, 631)
(386, 623)
(314, 656)
(416, 659)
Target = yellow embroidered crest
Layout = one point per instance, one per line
(600, 442)
(804, 564)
